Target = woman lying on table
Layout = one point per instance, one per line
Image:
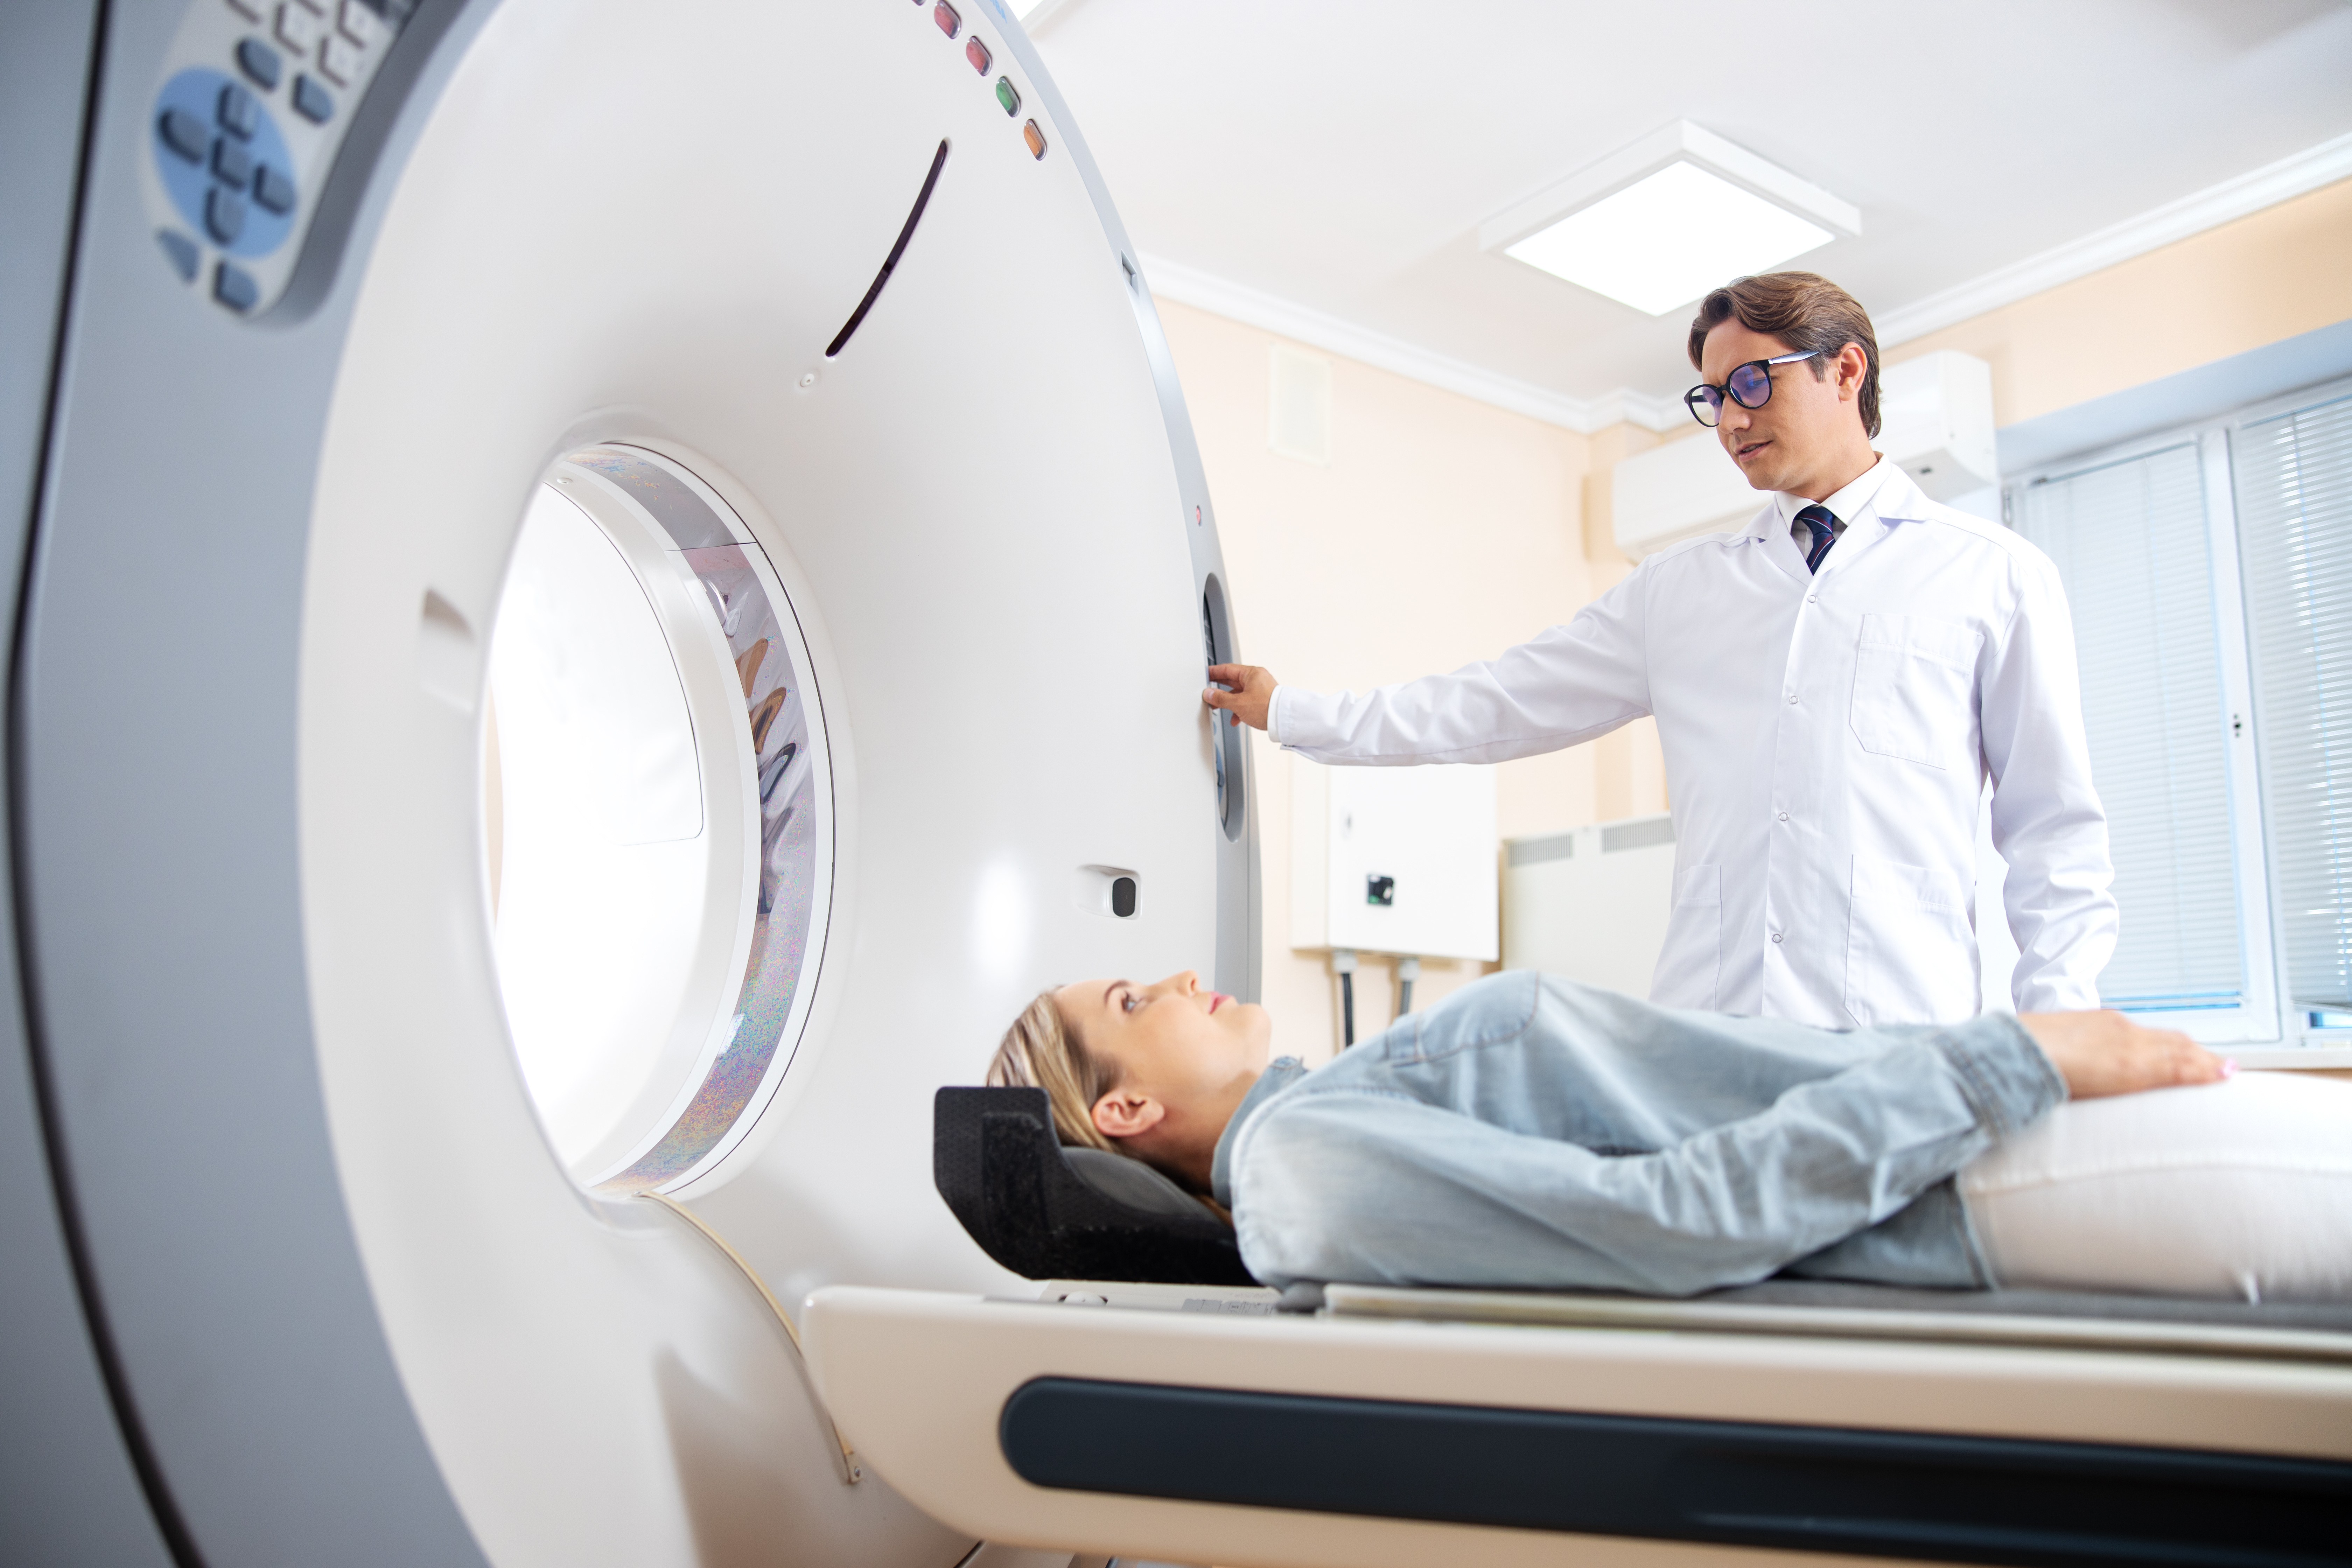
(1528, 1130)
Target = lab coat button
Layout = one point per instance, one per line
(1784, 817)
(1776, 936)
(1812, 598)
(1793, 700)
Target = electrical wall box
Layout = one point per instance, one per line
(1591, 904)
(1394, 859)
(1936, 423)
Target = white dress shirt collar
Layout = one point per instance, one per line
(1846, 505)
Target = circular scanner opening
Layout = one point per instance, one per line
(658, 814)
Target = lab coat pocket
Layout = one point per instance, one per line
(1915, 688)
(1690, 966)
(1911, 954)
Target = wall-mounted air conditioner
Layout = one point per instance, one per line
(1936, 414)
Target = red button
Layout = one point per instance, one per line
(945, 16)
(976, 53)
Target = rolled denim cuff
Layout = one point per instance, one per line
(2008, 1081)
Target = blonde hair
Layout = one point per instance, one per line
(1040, 1052)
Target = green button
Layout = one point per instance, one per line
(1007, 97)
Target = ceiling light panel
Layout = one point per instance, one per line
(1659, 222)
(1667, 238)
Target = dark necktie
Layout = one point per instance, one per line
(1822, 523)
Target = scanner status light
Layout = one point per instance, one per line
(945, 16)
(1035, 138)
(976, 53)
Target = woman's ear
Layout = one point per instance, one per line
(1125, 1114)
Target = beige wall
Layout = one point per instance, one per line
(2269, 275)
(1441, 530)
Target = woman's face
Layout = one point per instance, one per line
(1176, 1040)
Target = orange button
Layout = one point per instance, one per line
(1035, 138)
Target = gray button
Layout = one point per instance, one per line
(184, 134)
(314, 102)
(1784, 817)
(182, 250)
(273, 191)
(223, 215)
(260, 62)
(232, 165)
(235, 287)
(1776, 936)
(240, 116)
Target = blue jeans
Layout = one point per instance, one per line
(1532, 1132)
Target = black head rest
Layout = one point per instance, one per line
(996, 1161)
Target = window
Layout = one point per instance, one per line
(2294, 490)
(2210, 575)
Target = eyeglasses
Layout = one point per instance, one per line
(1749, 386)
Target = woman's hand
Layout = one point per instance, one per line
(1252, 690)
(2106, 1053)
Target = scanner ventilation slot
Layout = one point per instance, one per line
(890, 263)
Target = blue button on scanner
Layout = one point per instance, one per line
(232, 165)
(260, 62)
(240, 116)
(273, 191)
(182, 251)
(223, 215)
(314, 102)
(235, 287)
(184, 134)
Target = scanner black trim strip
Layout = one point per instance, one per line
(1922, 1496)
(890, 263)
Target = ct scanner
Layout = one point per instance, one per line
(538, 525)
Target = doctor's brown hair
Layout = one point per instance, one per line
(1804, 310)
(1040, 1052)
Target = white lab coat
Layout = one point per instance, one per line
(1827, 744)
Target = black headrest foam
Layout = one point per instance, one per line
(996, 1161)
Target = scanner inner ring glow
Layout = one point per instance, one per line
(660, 822)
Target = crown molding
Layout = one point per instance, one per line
(1205, 291)
(2267, 187)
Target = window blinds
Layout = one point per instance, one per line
(2295, 525)
(2131, 544)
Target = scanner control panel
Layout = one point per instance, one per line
(255, 103)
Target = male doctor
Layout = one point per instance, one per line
(1833, 684)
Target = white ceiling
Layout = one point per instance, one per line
(1341, 157)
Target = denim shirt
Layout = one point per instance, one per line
(1529, 1130)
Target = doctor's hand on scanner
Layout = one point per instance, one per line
(1242, 689)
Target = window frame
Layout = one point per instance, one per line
(2261, 1031)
